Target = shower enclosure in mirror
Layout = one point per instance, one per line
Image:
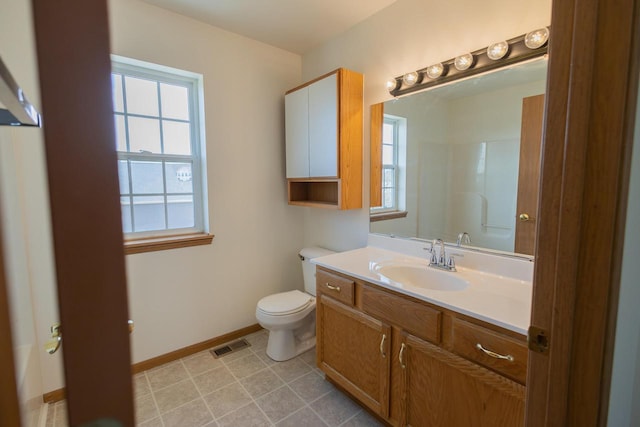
(464, 157)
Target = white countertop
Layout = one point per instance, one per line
(501, 300)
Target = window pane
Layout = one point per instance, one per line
(144, 135)
(142, 96)
(177, 137)
(389, 178)
(147, 177)
(116, 92)
(175, 101)
(387, 154)
(148, 213)
(387, 197)
(387, 133)
(125, 206)
(180, 211)
(123, 175)
(121, 134)
(179, 179)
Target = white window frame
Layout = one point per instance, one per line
(194, 84)
(398, 166)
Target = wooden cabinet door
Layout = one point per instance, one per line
(296, 107)
(323, 127)
(444, 390)
(353, 350)
(529, 173)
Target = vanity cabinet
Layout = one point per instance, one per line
(323, 120)
(352, 347)
(415, 363)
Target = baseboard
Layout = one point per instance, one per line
(54, 396)
(192, 349)
(145, 365)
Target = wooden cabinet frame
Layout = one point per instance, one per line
(407, 321)
(345, 190)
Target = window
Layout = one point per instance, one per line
(158, 139)
(394, 154)
(390, 144)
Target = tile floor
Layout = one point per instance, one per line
(244, 388)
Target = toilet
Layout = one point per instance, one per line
(290, 317)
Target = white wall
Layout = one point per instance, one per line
(408, 35)
(624, 398)
(25, 177)
(184, 296)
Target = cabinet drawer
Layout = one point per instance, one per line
(335, 286)
(415, 318)
(467, 339)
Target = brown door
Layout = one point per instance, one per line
(72, 40)
(529, 173)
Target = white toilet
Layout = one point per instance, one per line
(290, 317)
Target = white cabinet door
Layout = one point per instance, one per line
(297, 133)
(323, 127)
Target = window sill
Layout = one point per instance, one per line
(166, 242)
(383, 216)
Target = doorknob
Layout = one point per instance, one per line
(525, 217)
(56, 339)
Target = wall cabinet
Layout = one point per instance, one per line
(414, 363)
(323, 120)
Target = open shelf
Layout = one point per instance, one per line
(316, 193)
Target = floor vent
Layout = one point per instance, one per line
(229, 348)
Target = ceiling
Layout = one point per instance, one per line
(293, 25)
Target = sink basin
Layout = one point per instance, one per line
(420, 276)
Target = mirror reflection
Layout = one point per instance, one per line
(462, 158)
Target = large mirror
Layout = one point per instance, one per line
(462, 158)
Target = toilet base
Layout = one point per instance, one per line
(283, 345)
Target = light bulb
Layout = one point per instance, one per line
(463, 62)
(497, 50)
(392, 84)
(436, 70)
(410, 79)
(536, 38)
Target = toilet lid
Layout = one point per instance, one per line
(284, 303)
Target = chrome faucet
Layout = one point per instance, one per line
(463, 239)
(441, 261)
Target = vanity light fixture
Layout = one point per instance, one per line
(536, 38)
(436, 70)
(525, 47)
(412, 78)
(498, 50)
(464, 62)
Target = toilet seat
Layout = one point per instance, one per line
(284, 303)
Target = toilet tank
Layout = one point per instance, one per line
(309, 269)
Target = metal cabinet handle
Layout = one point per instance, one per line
(56, 339)
(131, 325)
(384, 338)
(495, 355)
(333, 288)
(401, 356)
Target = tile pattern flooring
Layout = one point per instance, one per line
(243, 388)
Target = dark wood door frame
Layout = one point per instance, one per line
(9, 406)
(72, 41)
(590, 112)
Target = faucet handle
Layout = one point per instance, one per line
(451, 264)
